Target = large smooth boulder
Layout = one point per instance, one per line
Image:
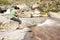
(55, 16)
(7, 25)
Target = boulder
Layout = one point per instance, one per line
(7, 24)
(55, 16)
(47, 31)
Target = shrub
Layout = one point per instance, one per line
(4, 2)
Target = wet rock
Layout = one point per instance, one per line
(32, 21)
(47, 31)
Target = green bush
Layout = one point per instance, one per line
(43, 12)
(4, 2)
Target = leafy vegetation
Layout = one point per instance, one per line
(44, 5)
(43, 12)
(5, 2)
(49, 6)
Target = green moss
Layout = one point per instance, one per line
(43, 12)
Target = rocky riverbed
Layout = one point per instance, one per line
(43, 29)
(8, 27)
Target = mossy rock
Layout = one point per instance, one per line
(43, 12)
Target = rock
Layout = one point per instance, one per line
(13, 35)
(32, 21)
(23, 7)
(26, 14)
(46, 32)
(55, 16)
(35, 5)
(8, 11)
(7, 24)
(36, 13)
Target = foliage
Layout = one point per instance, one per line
(4, 2)
(49, 6)
(43, 12)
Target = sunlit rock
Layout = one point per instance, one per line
(55, 16)
(7, 24)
